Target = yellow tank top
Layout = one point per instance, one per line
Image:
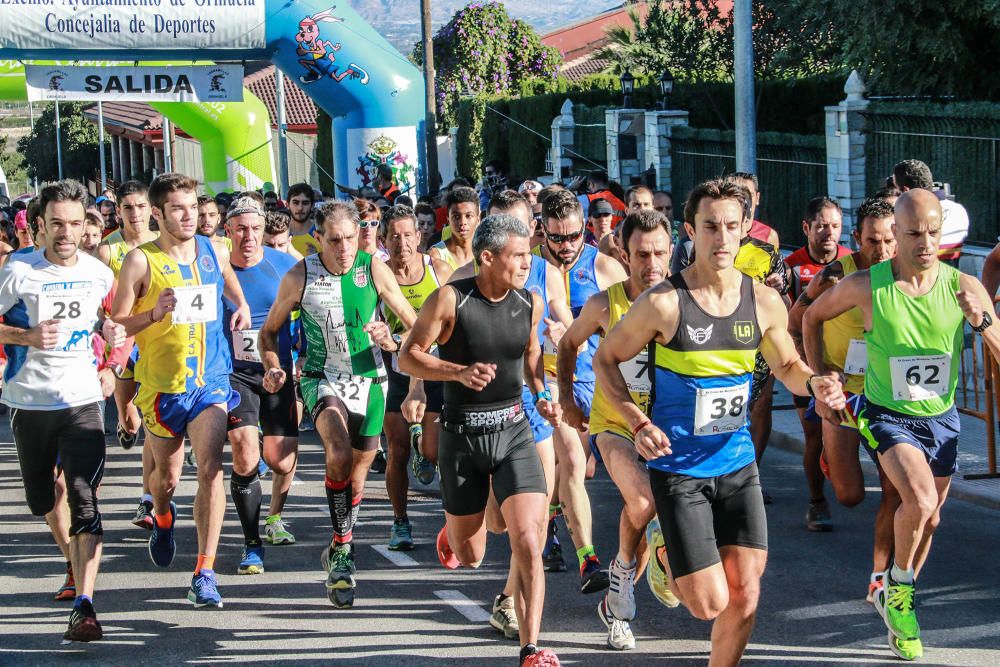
(415, 294)
(604, 416)
(444, 254)
(119, 248)
(305, 244)
(844, 340)
(178, 353)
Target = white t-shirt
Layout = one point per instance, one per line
(954, 224)
(32, 289)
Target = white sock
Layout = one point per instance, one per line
(900, 575)
(624, 565)
(147, 498)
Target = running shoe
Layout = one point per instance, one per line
(252, 561)
(379, 463)
(552, 555)
(592, 578)
(83, 624)
(818, 518)
(161, 541)
(125, 439)
(204, 590)
(68, 590)
(873, 586)
(541, 658)
(143, 515)
(340, 576)
(895, 603)
(445, 554)
(656, 574)
(189, 458)
(620, 599)
(423, 469)
(276, 531)
(401, 536)
(503, 617)
(620, 636)
(907, 649)
(262, 468)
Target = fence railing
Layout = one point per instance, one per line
(589, 137)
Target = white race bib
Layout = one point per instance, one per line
(920, 378)
(68, 306)
(245, 345)
(352, 390)
(195, 304)
(636, 373)
(720, 409)
(857, 357)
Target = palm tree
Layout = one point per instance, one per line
(623, 51)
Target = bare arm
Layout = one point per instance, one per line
(592, 319)
(609, 271)
(974, 300)
(991, 272)
(104, 253)
(434, 323)
(854, 290)
(534, 369)
(388, 291)
(443, 270)
(231, 286)
(827, 278)
(133, 281)
(287, 300)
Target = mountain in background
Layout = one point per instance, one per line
(399, 20)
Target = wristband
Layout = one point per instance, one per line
(543, 395)
(641, 425)
(809, 387)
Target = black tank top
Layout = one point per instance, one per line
(492, 333)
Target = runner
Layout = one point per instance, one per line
(259, 271)
(368, 229)
(704, 327)
(646, 236)
(455, 249)
(276, 234)
(343, 381)
(169, 297)
(839, 344)
(91, 239)
(412, 407)
(586, 272)
(301, 201)
(52, 301)
(915, 308)
(209, 216)
(485, 439)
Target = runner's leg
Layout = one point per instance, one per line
(207, 432)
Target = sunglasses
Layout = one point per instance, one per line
(365, 224)
(564, 238)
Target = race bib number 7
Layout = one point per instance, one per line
(920, 378)
(720, 409)
(195, 304)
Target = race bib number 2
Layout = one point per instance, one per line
(245, 345)
(720, 409)
(195, 304)
(920, 378)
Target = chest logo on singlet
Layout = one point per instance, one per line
(206, 264)
(360, 279)
(743, 331)
(168, 270)
(700, 336)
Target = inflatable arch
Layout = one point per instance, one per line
(372, 93)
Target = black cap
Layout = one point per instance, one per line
(600, 207)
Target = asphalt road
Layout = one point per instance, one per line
(410, 611)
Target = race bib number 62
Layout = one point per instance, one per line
(920, 378)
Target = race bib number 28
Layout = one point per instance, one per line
(920, 378)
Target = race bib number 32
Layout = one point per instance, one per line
(195, 304)
(920, 378)
(720, 409)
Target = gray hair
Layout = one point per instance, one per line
(394, 214)
(336, 210)
(494, 231)
(243, 205)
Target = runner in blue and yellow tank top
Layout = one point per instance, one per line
(915, 310)
(703, 328)
(170, 297)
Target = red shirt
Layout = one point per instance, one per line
(805, 268)
(760, 231)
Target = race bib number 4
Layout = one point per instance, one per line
(857, 357)
(720, 409)
(245, 345)
(920, 378)
(195, 304)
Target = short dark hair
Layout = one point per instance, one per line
(717, 188)
(875, 208)
(205, 199)
(643, 220)
(64, 190)
(817, 204)
(384, 171)
(394, 214)
(33, 210)
(461, 195)
(505, 200)
(302, 189)
(164, 184)
(887, 192)
(636, 189)
(424, 209)
(913, 174)
(336, 210)
(496, 164)
(745, 176)
(664, 192)
(547, 192)
(561, 205)
(276, 222)
(131, 188)
(271, 194)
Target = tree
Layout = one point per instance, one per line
(482, 51)
(13, 165)
(80, 156)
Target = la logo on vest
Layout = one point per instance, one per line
(699, 336)
(743, 331)
(360, 278)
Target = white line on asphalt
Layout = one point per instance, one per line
(464, 606)
(396, 558)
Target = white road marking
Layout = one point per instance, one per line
(397, 558)
(464, 606)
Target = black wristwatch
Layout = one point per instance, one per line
(985, 324)
(809, 386)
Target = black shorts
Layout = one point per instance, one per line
(73, 438)
(276, 413)
(699, 515)
(467, 462)
(399, 386)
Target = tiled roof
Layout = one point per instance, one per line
(134, 115)
(576, 70)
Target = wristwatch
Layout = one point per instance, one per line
(398, 340)
(985, 324)
(543, 395)
(809, 386)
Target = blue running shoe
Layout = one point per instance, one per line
(262, 468)
(204, 590)
(253, 560)
(161, 541)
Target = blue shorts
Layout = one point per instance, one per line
(541, 429)
(583, 394)
(168, 415)
(855, 405)
(936, 437)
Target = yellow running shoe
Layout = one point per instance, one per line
(656, 575)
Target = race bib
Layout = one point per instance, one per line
(245, 346)
(720, 409)
(857, 357)
(352, 390)
(920, 378)
(636, 373)
(69, 306)
(195, 304)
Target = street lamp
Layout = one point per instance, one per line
(628, 85)
(666, 81)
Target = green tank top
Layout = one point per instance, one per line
(915, 344)
(335, 310)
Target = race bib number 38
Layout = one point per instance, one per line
(720, 409)
(920, 378)
(195, 304)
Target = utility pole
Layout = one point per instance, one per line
(430, 103)
(279, 95)
(100, 144)
(58, 143)
(746, 121)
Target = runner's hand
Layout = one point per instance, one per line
(550, 410)
(381, 335)
(299, 365)
(476, 376)
(45, 336)
(107, 379)
(241, 318)
(971, 308)
(775, 280)
(165, 303)
(113, 333)
(274, 380)
(828, 390)
(555, 330)
(572, 414)
(414, 405)
(652, 443)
